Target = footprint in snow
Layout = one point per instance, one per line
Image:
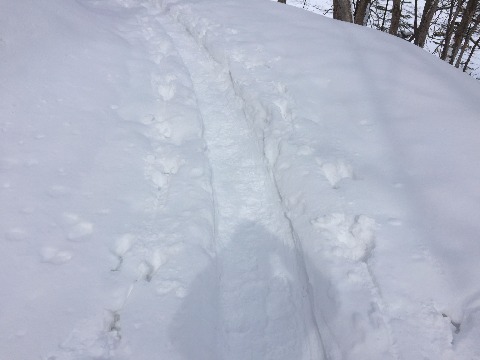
(156, 128)
(55, 256)
(165, 85)
(165, 47)
(349, 236)
(95, 338)
(160, 167)
(80, 231)
(122, 245)
(167, 286)
(163, 129)
(78, 228)
(150, 266)
(334, 172)
(167, 91)
(283, 107)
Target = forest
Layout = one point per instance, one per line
(449, 29)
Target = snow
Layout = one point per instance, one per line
(231, 180)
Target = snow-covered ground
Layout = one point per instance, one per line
(211, 179)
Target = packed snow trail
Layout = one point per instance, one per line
(271, 124)
(263, 311)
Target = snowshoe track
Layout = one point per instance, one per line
(264, 311)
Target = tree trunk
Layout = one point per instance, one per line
(427, 16)
(415, 22)
(474, 47)
(361, 11)
(396, 14)
(466, 41)
(384, 17)
(452, 18)
(462, 28)
(282, 1)
(342, 10)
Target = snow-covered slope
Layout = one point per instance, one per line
(231, 180)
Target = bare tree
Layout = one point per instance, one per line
(427, 16)
(452, 19)
(462, 28)
(382, 28)
(474, 47)
(466, 41)
(415, 21)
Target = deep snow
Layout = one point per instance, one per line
(232, 180)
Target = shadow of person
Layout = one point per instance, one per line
(251, 302)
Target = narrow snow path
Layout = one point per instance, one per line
(263, 308)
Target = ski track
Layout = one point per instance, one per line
(356, 231)
(260, 279)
